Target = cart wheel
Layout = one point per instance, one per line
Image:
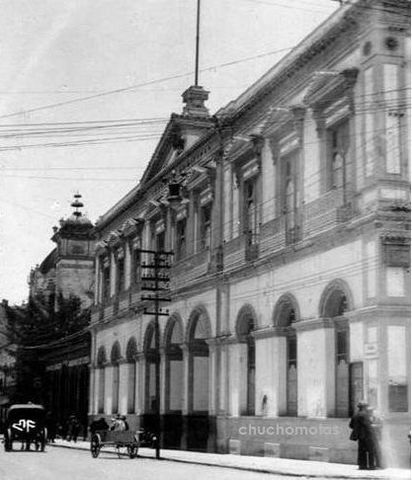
(132, 451)
(95, 446)
(42, 443)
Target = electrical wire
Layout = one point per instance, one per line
(143, 84)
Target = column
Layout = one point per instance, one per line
(108, 389)
(123, 386)
(212, 377)
(316, 368)
(213, 405)
(141, 383)
(235, 393)
(162, 380)
(185, 396)
(92, 388)
(137, 402)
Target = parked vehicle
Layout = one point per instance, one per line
(25, 423)
(126, 439)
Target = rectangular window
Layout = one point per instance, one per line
(289, 195)
(106, 283)
(397, 369)
(338, 146)
(160, 241)
(205, 226)
(180, 249)
(120, 275)
(251, 221)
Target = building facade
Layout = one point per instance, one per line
(7, 364)
(290, 276)
(67, 271)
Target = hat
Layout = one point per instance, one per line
(362, 403)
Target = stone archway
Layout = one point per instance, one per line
(101, 363)
(335, 301)
(115, 356)
(198, 332)
(150, 355)
(174, 382)
(286, 313)
(245, 325)
(131, 354)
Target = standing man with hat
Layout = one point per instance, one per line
(362, 432)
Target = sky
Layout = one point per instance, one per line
(86, 87)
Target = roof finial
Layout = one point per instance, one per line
(77, 204)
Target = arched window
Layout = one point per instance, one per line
(335, 302)
(244, 327)
(131, 352)
(114, 358)
(199, 331)
(286, 314)
(198, 382)
(150, 376)
(101, 362)
(174, 365)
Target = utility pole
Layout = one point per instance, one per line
(157, 281)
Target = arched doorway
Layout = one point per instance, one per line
(114, 358)
(245, 324)
(198, 392)
(131, 353)
(335, 302)
(172, 421)
(101, 363)
(150, 371)
(286, 314)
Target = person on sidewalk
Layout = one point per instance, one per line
(362, 433)
(376, 425)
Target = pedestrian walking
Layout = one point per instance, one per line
(73, 428)
(362, 432)
(376, 425)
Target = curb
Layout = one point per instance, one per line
(243, 468)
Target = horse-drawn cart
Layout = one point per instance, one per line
(128, 440)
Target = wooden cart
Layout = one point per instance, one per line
(127, 440)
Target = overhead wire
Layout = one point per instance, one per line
(143, 84)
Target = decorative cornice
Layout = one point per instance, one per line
(269, 332)
(314, 324)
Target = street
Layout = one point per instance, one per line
(67, 464)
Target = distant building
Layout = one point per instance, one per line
(290, 282)
(68, 270)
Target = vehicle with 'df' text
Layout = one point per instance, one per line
(26, 425)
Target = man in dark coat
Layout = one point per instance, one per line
(362, 432)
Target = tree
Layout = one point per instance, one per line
(39, 326)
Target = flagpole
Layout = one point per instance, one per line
(197, 44)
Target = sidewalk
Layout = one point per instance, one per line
(279, 466)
